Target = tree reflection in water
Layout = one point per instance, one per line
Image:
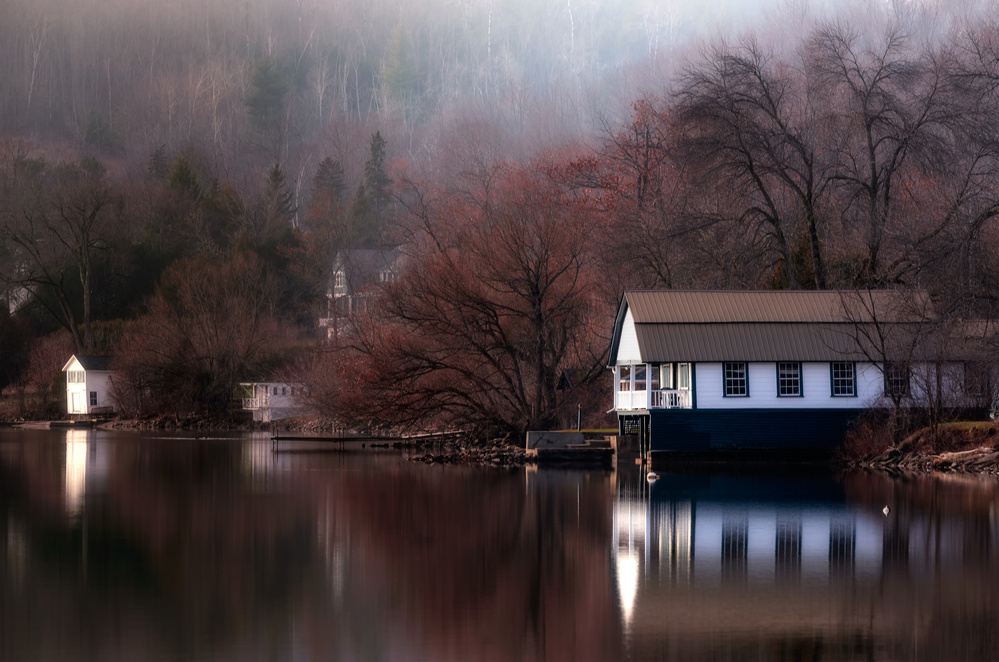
(194, 549)
(116, 547)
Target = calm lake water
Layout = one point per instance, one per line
(121, 546)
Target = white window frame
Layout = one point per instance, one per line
(898, 379)
(836, 390)
(785, 380)
(735, 379)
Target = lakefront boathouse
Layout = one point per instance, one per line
(776, 370)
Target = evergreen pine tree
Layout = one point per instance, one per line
(400, 76)
(328, 185)
(376, 181)
(183, 179)
(265, 101)
(280, 205)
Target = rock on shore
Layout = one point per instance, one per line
(493, 455)
(967, 447)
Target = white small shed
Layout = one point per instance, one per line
(88, 385)
(272, 401)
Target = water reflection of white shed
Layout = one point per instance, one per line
(86, 469)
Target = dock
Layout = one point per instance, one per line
(572, 449)
(376, 441)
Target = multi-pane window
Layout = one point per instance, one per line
(75, 376)
(977, 382)
(683, 376)
(93, 398)
(666, 376)
(736, 383)
(789, 379)
(640, 373)
(625, 378)
(896, 379)
(844, 378)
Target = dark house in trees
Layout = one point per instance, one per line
(714, 370)
(356, 278)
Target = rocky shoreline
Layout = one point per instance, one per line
(463, 451)
(955, 447)
(495, 456)
(949, 448)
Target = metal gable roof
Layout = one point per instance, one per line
(91, 363)
(699, 325)
(783, 306)
(661, 343)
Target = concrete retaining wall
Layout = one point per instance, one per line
(553, 439)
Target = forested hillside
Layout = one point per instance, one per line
(177, 180)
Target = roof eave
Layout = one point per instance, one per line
(622, 311)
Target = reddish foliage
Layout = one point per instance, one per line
(209, 326)
(497, 300)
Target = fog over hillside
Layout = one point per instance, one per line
(179, 180)
(142, 73)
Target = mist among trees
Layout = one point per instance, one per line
(177, 181)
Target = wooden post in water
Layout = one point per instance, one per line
(643, 441)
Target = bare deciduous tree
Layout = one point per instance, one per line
(892, 118)
(493, 305)
(750, 120)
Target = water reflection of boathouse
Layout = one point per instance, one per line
(693, 551)
(683, 538)
(755, 564)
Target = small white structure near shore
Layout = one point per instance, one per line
(88, 385)
(272, 401)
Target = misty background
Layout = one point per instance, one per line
(179, 181)
(124, 77)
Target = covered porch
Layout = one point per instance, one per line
(643, 386)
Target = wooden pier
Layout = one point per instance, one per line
(342, 440)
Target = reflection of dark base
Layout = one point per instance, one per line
(742, 458)
(779, 431)
(576, 457)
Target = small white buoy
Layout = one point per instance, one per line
(652, 477)
(886, 510)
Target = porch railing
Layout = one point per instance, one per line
(671, 399)
(256, 403)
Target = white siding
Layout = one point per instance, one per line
(815, 386)
(272, 401)
(627, 349)
(78, 394)
(99, 382)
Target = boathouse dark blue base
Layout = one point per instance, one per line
(710, 431)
